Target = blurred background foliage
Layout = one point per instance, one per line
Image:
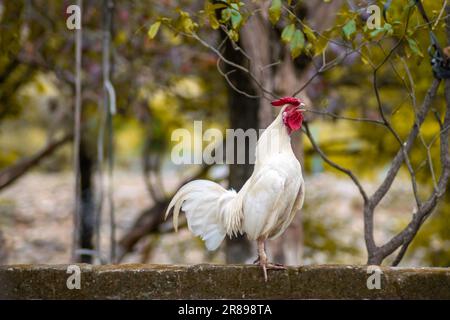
(165, 81)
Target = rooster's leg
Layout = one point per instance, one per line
(262, 257)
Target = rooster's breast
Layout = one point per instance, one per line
(270, 196)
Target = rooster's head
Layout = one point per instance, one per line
(292, 113)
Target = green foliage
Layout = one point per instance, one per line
(236, 16)
(288, 33)
(309, 34)
(414, 47)
(185, 23)
(210, 11)
(297, 43)
(386, 29)
(349, 29)
(154, 29)
(275, 11)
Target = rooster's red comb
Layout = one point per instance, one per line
(286, 100)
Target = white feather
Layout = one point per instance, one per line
(211, 211)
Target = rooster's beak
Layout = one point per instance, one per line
(301, 107)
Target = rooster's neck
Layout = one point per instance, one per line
(274, 140)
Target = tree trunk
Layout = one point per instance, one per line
(87, 206)
(258, 113)
(260, 50)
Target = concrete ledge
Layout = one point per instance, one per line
(135, 281)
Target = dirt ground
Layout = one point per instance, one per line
(36, 219)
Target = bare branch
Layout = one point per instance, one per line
(335, 165)
(322, 69)
(231, 63)
(383, 116)
(230, 83)
(439, 17)
(405, 237)
(11, 174)
(339, 117)
(400, 156)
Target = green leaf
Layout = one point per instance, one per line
(320, 46)
(297, 43)
(218, 6)
(349, 29)
(210, 10)
(153, 30)
(387, 28)
(376, 32)
(365, 55)
(233, 35)
(288, 33)
(415, 47)
(236, 17)
(322, 43)
(214, 22)
(309, 33)
(226, 15)
(275, 11)
(309, 49)
(185, 22)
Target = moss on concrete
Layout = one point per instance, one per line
(136, 281)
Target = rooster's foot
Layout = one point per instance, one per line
(268, 266)
(262, 259)
(276, 266)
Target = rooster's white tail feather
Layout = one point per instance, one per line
(211, 211)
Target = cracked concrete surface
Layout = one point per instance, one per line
(207, 281)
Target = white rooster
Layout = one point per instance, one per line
(268, 201)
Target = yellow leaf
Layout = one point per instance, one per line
(275, 11)
(153, 30)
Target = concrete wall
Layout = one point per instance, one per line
(218, 281)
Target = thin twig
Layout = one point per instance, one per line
(231, 63)
(230, 83)
(339, 117)
(333, 164)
